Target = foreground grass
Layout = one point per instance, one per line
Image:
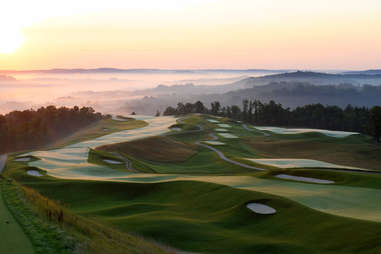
(211, 218)
(53, 228)
(45, 237)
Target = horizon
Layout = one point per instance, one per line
(187, 69)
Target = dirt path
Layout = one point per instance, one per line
(12, 237)
(222, 156)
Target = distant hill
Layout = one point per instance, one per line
(151, 71)
(289, 93)
(311, 74)
(366, 72)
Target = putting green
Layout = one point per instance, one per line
(12, 237)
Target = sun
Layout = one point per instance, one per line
(10, 41)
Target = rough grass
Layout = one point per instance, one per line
(101, 128)
(44, 236)
(159, 148)
(356, 152)
(211, 218)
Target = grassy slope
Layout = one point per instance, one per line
(357, 151)
(211, 218)
(50, 238)
(101, 128)
(159, 148)
(174, 153)
(13, 239)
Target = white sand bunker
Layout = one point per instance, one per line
(113, 162)
(22, 159)
(261, 208)
(299, 163)
(227, 135)
(224, 125)
(119, 118)
(213, 121)
(336, 134)
(221, 130)
(215, 143)
(303, 179)
(34, 173)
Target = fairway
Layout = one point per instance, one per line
(173, 188)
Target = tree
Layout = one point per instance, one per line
(157, 113)
(170, 111)
(215, 107)
(199, 107)
(375, 123)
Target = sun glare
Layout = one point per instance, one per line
(10, 42)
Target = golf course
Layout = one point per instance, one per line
(194, 184)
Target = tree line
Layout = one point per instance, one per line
(20, 130)
(357, 119)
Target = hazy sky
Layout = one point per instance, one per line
(303, 34)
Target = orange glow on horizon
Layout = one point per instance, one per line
(192, 34)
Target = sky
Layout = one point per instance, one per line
(181, 34)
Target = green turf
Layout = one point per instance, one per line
(199, 204)
(101, 128)
(211, 218)
(13, 240)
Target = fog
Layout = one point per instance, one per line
(106, 92)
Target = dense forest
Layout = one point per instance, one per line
(20, 130)
(357, 119)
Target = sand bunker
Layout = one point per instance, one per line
(23, 159)
(113, 162)
(227, 135)
(336, 134)
(117, 118)
(303, 179)
(215, 143)
(221, 130)
(261, 208)
(213, 121)
(300, 163)
(34, 173)
(224, 125)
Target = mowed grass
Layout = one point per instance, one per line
(96, 130)
(159, 148)
(356, 151)
(355, 179)
(13, 239)
(211, 218)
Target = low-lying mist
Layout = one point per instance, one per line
(105, 92)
